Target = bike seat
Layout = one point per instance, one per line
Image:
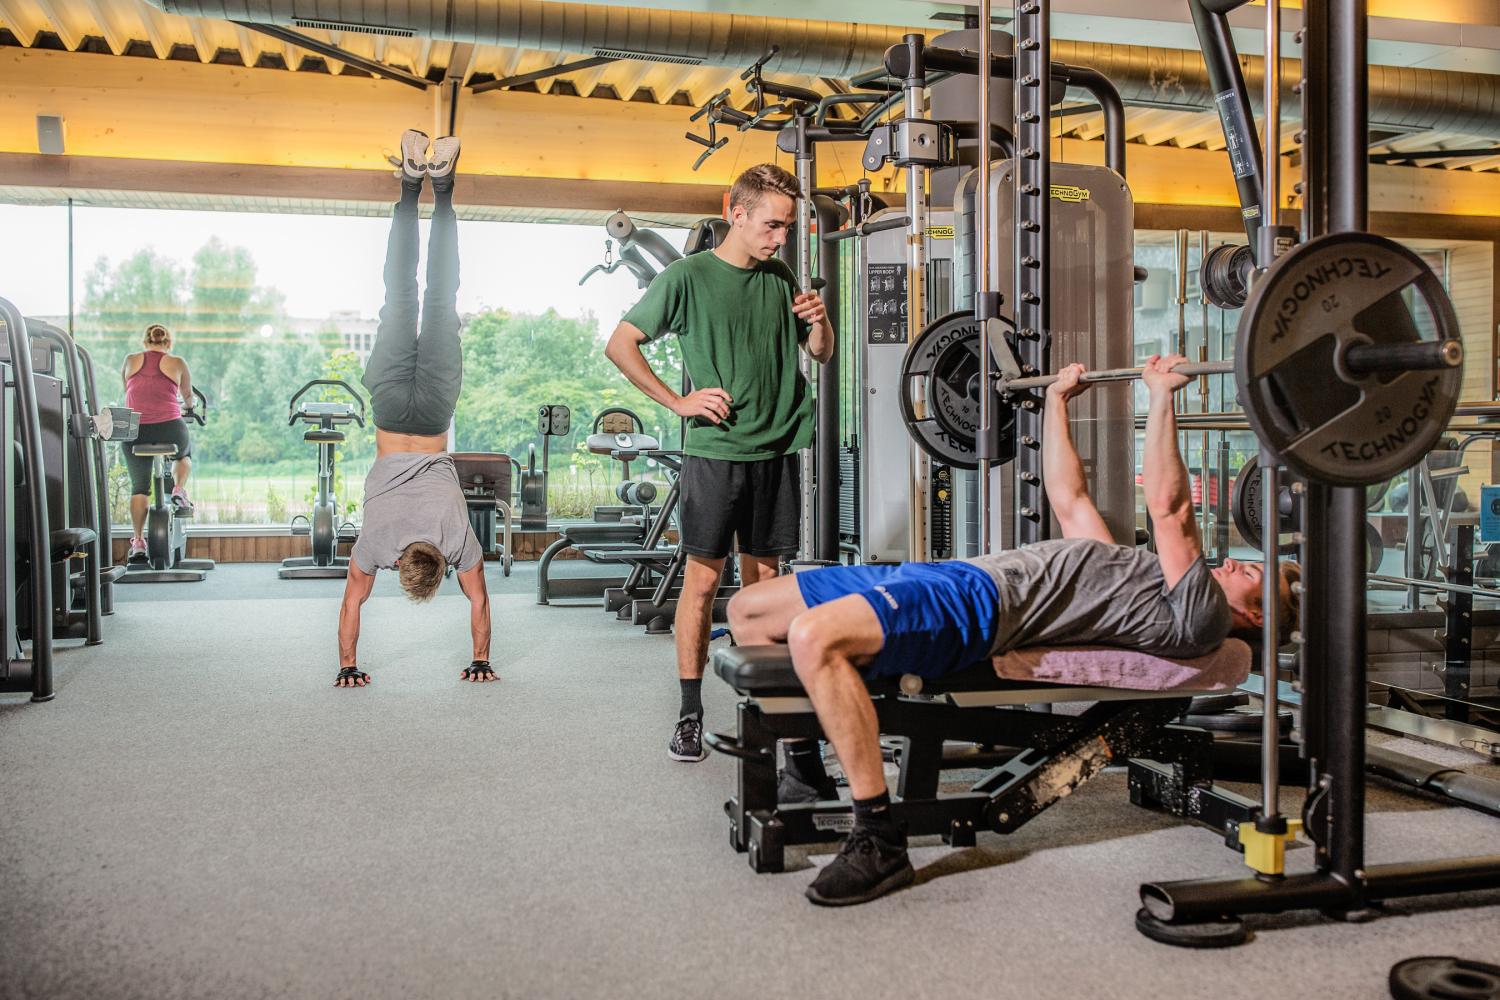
(151, 449)
(320, 436)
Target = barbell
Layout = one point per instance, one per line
(1359, 359)
(1348, 365)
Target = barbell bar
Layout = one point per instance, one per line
(1358, 359)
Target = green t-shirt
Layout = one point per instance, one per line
(739, 334)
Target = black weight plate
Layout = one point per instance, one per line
(1316, 301)
(942, 366)
(1432, 977)
(1245, 507)
(1213, 934)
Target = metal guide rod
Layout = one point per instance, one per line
(1360, 359)
(1403, 582)
(1270, 736)
(915, 87)
(805, 182)
(982, 285)
(1031, 269)
(1203, 443)
(1271, 185)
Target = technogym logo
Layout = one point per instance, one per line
(1069, 194)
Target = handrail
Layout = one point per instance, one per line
(30, 435)
(292, 405)
(79, 424)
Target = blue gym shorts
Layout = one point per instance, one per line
(937, 617)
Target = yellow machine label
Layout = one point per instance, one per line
(940, 232)
(1070, 194)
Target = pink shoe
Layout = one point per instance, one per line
(137, 550)
(180, 502)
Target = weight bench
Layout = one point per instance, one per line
(1044, 756)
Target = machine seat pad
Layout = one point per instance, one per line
(319, 436)
(151, 449)
(604, 444)
(594, 534)
(767, 671)
(1107, 666)
(66, 541)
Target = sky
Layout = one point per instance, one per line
(321, 264)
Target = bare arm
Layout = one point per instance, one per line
(357, 588)
(184, 383)
(471, 582)
(1062, 470)
(821, 338)
(624, 352)
(1169, 496)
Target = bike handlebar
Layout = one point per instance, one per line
(293, 414)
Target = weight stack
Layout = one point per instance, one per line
(849, 494)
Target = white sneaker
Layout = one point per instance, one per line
(444, 158)
(413, 155)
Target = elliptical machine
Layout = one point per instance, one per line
(323, 526)
(166, 534)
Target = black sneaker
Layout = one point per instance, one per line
(792, 790)
(868, 866)
(687, 740)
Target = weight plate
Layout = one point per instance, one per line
(1433, 977)
(1319, 299)
(1245, 507)
(939, 393)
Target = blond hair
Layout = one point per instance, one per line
(157, 336)
(421, 571)
(758, 181)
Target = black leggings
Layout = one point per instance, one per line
(167, 432)
(414, 381)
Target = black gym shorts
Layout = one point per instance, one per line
(166, 432)
(760, 501)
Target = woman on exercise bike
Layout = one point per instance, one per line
(156, 382)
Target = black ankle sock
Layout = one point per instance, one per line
(874, 815)
(692, 697)
(442, 188)
(804, 761)
(410, 192)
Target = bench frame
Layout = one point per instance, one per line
(1048, 756)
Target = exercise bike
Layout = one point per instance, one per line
(166, 534)
(323, 526)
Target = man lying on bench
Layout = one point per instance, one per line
(846, 624)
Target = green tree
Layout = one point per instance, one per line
(514, 363)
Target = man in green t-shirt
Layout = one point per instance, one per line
(741, 321)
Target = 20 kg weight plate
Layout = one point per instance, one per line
(939, 394)
(1323, 421)
(1245, 507)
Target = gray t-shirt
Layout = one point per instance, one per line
(415, 497)
(1078, 591)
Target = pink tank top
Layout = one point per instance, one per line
(153, 393)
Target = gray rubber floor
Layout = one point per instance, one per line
(201, 814)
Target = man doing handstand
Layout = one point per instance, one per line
(415, 518)
(849, 623)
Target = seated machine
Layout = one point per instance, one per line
(1029, 759)
(486, 481)
(166, 533)
(323, 527)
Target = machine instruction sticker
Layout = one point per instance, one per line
(1489, 513)
(1236, 134)
(885, 322)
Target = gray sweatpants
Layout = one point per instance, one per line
(414, 381)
